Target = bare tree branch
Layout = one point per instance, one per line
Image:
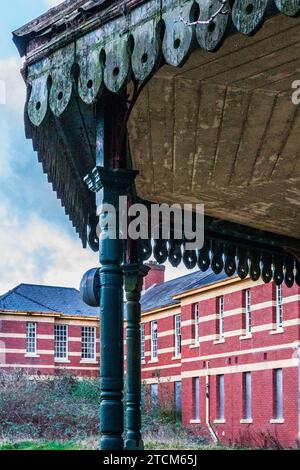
(220, 11)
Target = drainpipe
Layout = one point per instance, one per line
(208, 424)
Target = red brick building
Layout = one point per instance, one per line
(228, 352)
(46, 330)
(225, 351)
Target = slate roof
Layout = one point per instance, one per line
(47, 299)
(37, 298)
(162, 294)
(65, 15)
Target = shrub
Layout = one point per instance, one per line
(259, 439)
(56, 408)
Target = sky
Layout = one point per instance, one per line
(37, 242)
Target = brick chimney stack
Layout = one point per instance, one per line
(156, 275)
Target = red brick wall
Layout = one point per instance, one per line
(260, 353)
(13, 340)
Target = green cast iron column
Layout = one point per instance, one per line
(134, 276)
(109, 185)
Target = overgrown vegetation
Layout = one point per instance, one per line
(52, 409)
(62, 414)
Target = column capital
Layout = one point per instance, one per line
(120, 180)
(134, 275)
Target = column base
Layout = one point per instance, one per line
(132, 444)
(111, 443)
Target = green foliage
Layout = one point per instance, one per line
(31, 445)
(59, 408)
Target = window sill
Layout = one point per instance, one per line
(88, 361)
(32, 355)
(220, 341)
(276, 421)
(143, 362)
(219, 421)
(279, 331)
(176, 358)
(62, 361)
(245, 337)
(194, 346)
(153, 361)
(246, 421)
(195, 421)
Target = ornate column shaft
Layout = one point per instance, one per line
(134, 275)
(110, 185)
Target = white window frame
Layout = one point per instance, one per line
(88, 339)
(143, 351)
(31, 338)
(279, 308)
(177, 331)
(221, 317)
(61, 342)
(197, 323)
(154, 342)
(248, 322)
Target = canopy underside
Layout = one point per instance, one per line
(216, 125)
(223, 130)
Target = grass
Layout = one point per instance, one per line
(92, 444)
(40, 445)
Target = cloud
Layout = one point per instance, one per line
(34, 250)
(11, 110)
(34, 247)
(53, 3)
(15, 89)
(36, 241)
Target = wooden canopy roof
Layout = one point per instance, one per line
(223, 130)
(214, 123)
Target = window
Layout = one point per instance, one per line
(143, 342)
(196, 323)
(277, 394)
(178, 406)
(279, 315)
(196, 398)
(177, 335)
(154, 340)
(61, 342)
(220, 397)
(88, 342)
(221, 317)
(248, 323)
(31, 338)
(247, 392)
(154, 397)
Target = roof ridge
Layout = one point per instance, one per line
(204, 278)
(47, 287)
(34, 301)
(182, 277)
(2, 297)
(167, 294)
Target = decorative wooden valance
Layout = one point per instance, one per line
(82, 49)
(131, 45)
